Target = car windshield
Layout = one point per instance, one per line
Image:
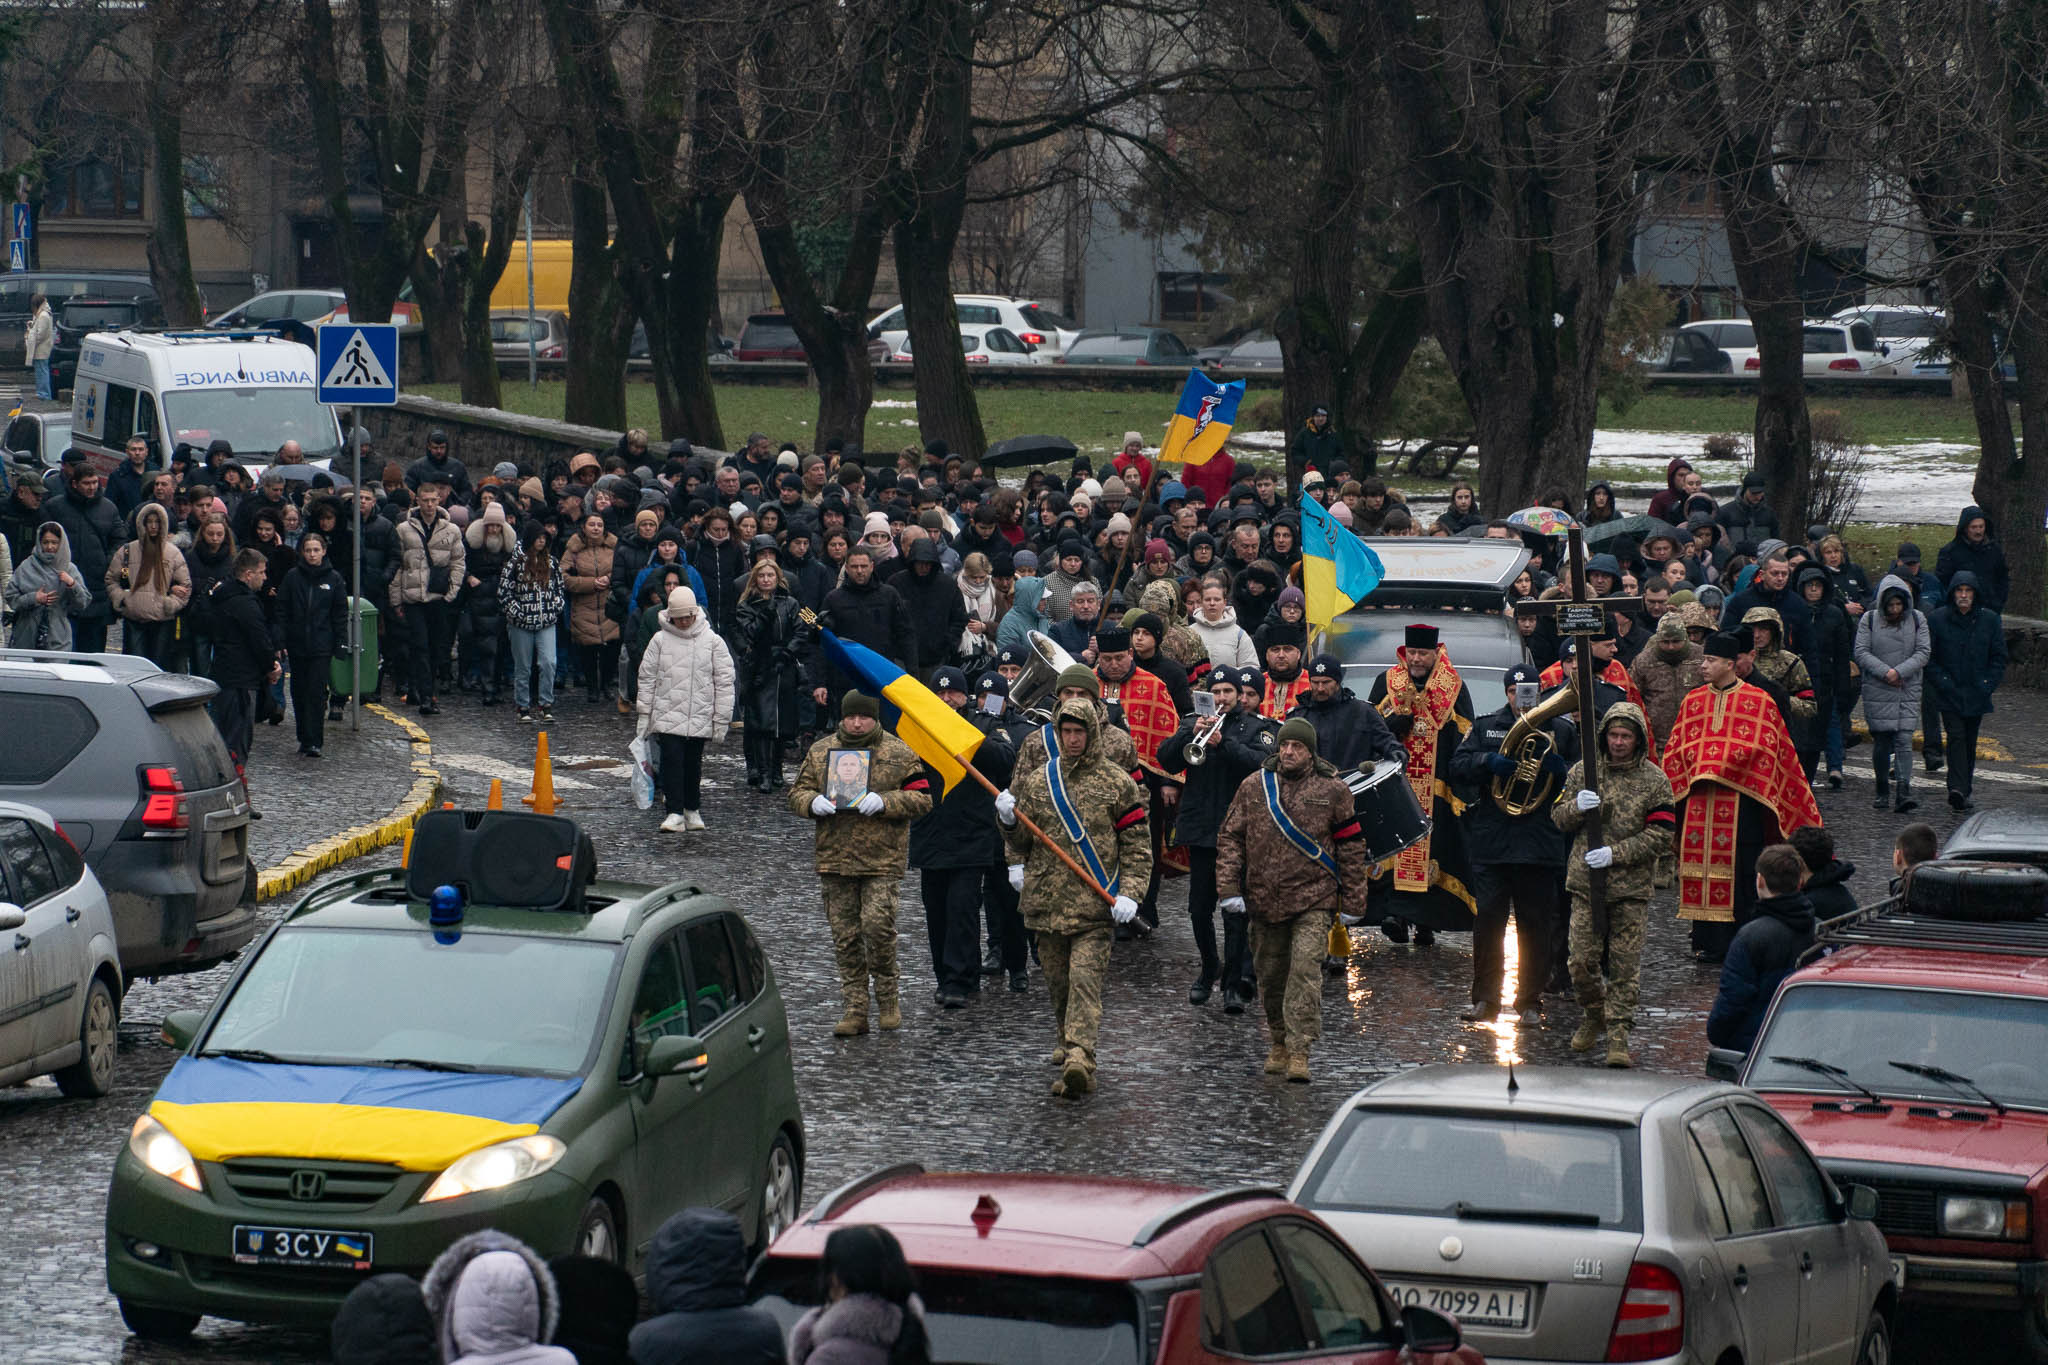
(1044, 319)
(982, 1319)
(1481, 1167)
(252, 419)
(1738, 334)
(93, 317)
(2000, 1042)
(772, 335)
(370, 996)
(519, 329)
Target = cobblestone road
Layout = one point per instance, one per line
(1182, 1096)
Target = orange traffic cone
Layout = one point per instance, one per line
(542, 797)
(497, 797)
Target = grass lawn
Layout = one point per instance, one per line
(1881, 419)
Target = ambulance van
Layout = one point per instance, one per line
(253, 390)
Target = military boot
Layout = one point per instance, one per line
(1617, 1046)
(887, 1013)
(1297, 1067)
(851, 1024)
(1276, 1059)
(1588, 1032)
(1077, 1078)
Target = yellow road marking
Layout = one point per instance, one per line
(302, 865)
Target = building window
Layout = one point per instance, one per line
(1191, 296)
(95, 187)
(1688, 194)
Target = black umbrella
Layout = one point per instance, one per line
(1633, 527)
(1029, 450)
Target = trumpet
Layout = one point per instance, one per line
(1197, 752)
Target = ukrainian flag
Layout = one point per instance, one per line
(934, 731)
(1338, 570)
(1201, 420)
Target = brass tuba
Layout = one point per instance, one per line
(1034, 691)
(1529, 788)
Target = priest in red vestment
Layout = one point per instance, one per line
(1430, 712)
(1138, 701)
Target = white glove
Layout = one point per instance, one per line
(1006, 808)
(1016, 876)
(1124, 911)
(870, 804)
(822, 806)
(1231, 905)
(1600, 857)
(1587, 800)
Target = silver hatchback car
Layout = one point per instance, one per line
(1563, 1214)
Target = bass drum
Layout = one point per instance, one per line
(1387, 810)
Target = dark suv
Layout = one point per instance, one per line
(18, 287)
(128, 761)
(76, 317)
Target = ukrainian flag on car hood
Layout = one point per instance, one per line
(416, 1120)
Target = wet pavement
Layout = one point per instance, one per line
(1182, 1096)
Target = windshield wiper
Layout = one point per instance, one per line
(247, 1054)
(1568, 1217)
(1829, 1069)
(422, 1064)
(1950, 1079)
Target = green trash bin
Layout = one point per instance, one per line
(342, 677)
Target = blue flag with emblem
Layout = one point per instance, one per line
(1070, 819)
(1293, 833)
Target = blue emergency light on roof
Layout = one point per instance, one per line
(444, 906)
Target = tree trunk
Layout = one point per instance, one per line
(692, 303)
(437, 284)
(1393, 329)
(834, 334)
(596, 391)
(2014, 491)
(1763, 244)
(478, 363)
(946, 409)
(169, 249)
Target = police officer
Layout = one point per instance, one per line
(1349, 733)
(1008, 944)
(952, 846)
(1515, 858)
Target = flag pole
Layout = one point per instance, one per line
(1124, 554)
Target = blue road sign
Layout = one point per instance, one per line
(17, 254)
(23, 228)
(358, 364)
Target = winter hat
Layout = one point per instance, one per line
(1251, 680)
(647, 515)
(1341, 512)
(1140, 619)
(681, 599)
(1119, 522)
(877, 521)
(505, 471)
(1173, 491)
(1078, 675)
(1606, 564)
(384, 1318)
(532, 489)
(1112, 640)
(992, 681)
(680, 448)
(859, 704)
(1137, 436)
(1766, 548)
(786, 460)
(949, 679)
(494, 515)
(1113, 487)
(932, 519)
(1300, 730)
(1291, 596)
(1312, 479)
(1024, 559)
(1326, 666)
(1671, 626)
(1724, 646)
(1091, 489)
(1156, 547)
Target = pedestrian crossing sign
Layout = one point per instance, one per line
(359, 364)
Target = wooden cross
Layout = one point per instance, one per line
(1584, 616)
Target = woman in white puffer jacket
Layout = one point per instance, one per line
(685, 699)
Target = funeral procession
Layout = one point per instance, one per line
(1441, 618)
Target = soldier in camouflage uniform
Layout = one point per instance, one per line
(1638, 818)
(1073, 923)
(1783, 667)
(1290, 895)
(1079, 680)
(861, 856)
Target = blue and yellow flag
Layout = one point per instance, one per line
(1201, 421)
(1338, 570)
(934, 731)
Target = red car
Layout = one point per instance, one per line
(1913, 1058)
(769, 336)
(1114, 1272)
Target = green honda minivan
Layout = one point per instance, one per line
(387, 1071)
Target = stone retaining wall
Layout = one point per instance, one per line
(2026, 647)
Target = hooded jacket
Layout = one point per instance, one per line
(1251, 607)
(312, 611)
(493, 1302)
(1669, 505)
(1828, 890)
(423, 556)
(686, 681)
(1968, 660)
(1986, 561)
(1667, 669)
(243, 647)
(937, 613)
(1023, 616)
(1638, 812)
(872, 614)
(1763, 954)
(1746, 522)
(1882, 645)
(584, 563)
(384, 1321)
(697, 1281)
(773, 649)
(36, 573)
(94, 527)
(133, 589)
(488, 547)
(860, 1329)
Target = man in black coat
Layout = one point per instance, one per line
(1349, 733)
(1244, 740)
(96, 529)
(938, 613)
(1772, 587)
(1827, 877)
(439, 466)
(1765, 950)
(697, 1285)
(1748, 517)
(869, 613)
(244, 653)
(952, 846)
(1515, 858)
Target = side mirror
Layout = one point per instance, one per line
(1884, 348)
(181, 1027)
(1429, 1332)
(1725, 1063)
(875, 332)
(12, 916)
(672, 1056)
(1861, 1201)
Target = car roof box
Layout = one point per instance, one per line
(502, 858)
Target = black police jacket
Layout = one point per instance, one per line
(1491, 834)
(1245, 742)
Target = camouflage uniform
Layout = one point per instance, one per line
(1784, 668)
(1667, 669)
(1071, 921)
(1117, 747)
(1638, 817)
(1182, 645)
(1290, 897)
(861, 859)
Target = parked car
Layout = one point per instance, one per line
(1574, 1215)
(1459, 586)
(1029, 320)
(309, 306)
(1691, 352)
(769, 336)
(2000, 834)
(1111, 1271)
(1910, 330)
(1911, 1054)
(1837, 350)
(374, 1082)
(77, 318)
(513, 329)
(1259, 351)
(1127, 346)
(1732, 335)
(18, 287)
(41, 438)
(996, 346)
(60, 984)
(127, 760)
(718, 349)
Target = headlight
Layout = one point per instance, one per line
(1974, 1216)
(496, 1166)
(155, 1147)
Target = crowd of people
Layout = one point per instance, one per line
(1197, 730)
